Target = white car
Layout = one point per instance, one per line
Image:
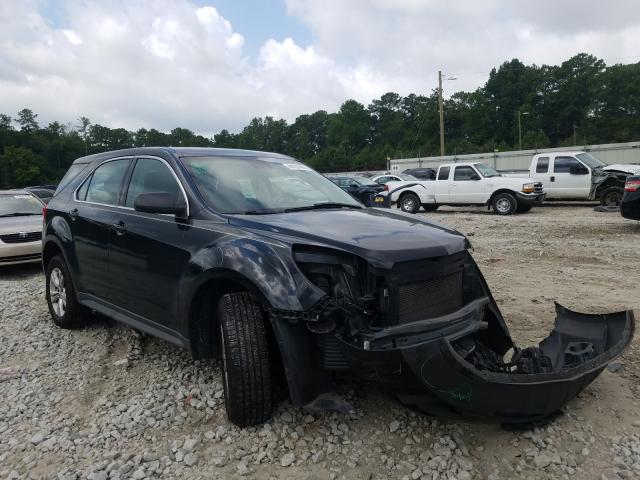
(20, 227)
(467, 184)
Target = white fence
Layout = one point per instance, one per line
(521, 159)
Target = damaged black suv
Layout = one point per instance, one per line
(257, 259)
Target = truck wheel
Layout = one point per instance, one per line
(523, 208)
(611, 196)
(410, 203)
(63, 305)
(430, 207)
(504, 204)
(245, 359)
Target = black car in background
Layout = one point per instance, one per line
(630, 204)
(422, 173)
(43, 192)
(360, 188)
(256, 259)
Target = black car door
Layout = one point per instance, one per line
(90, 216)
(147, 251)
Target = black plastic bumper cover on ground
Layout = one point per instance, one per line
(423, 365)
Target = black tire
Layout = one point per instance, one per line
(63, 304)
(245, 360)
(523, 208)
(409, 203)
(611, 196)
(430, 207)
(504, 204)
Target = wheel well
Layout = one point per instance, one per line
(203, 320)
(497, 192)
(609, 182)
(408, 192)
(49, 251)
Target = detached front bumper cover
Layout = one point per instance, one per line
(453, 366)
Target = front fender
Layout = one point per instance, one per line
(268, 267)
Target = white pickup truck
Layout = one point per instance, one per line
(466, 184)
(580, 176)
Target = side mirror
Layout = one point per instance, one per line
(160, 202)
(578, 170)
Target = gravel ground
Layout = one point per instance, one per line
(104, 402)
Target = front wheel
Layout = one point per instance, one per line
(63, 305)
(410, 203)
(245, 359)
(504, 204)
(611, 196)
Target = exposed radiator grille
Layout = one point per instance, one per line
(430, 298)
(537, 187)
(332, 357)
(22, 237)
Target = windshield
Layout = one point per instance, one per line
(256, 185)
(486, 171)
(363, 180)
(591, 161)
(18, 205)
(407, 178)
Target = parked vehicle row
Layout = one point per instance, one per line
(465, 184)
(224, 253)
(360, 188)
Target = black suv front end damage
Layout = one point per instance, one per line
(429, 332)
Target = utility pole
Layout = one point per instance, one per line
(441, 113)
(520, 127)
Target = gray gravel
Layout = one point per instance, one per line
(106, 403)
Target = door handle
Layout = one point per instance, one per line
(120, 228)
(73, 214)
(553, 179)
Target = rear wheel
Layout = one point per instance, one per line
(410, 203)
(430, 207)
(611, 196)
(504, 204)
(64, 308)
(245, 359)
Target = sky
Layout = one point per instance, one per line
(213, 64)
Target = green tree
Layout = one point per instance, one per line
(20, 167)
(27, 121)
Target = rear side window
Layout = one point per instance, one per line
(443, 173)
(464, 173)
(543, 165)
(151, 176)
(72, 173)
(563, 164)
(104, 184)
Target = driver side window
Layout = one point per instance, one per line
(151, 176)
(464, 173)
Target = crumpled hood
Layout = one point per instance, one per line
(30, 223)
(626, 168)
(382, 237)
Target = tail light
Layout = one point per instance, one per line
(386, 188)
(632, 185)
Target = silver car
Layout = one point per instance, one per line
(20, 227)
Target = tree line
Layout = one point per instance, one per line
(582, 101)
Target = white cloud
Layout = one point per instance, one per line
(167, 63)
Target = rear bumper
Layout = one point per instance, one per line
(445, 366)
(531, 199)
(630, 205)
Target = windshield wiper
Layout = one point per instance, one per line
(318, 206)
(19, 214)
